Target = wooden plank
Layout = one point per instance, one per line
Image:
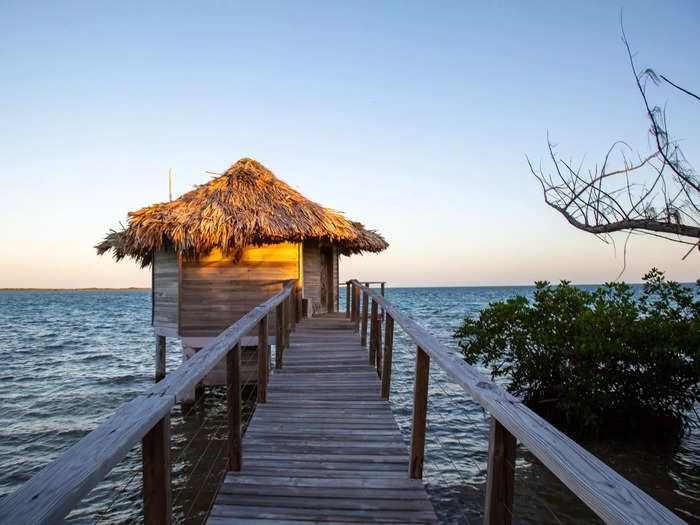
(388, 350)
(347, 300)
(233, 399)
(420, 409)
(613, 498)
(157, 496)
(325, 445)
(501, 471)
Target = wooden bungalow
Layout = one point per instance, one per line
(230, 244)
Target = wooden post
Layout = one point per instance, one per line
(160, 357)
(279, 335)
(363, 335)
(233, 398)
(420, 412)
(292, 313)
(373, 329)
(262, 361)
(378, 345)
(388, 348)
(383, 296)
(155, 451)
(299, 308)
(347, 300)
(356, 298)
(287, 323)
(500, 476)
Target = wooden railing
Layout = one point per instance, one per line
(54, 491)
(604, 491)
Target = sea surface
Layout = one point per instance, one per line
(70, 359)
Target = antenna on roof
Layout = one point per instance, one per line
(170, 183)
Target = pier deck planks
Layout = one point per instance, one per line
(325, 446)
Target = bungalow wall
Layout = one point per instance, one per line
(164, 292)
(216, 291)
(320, 263)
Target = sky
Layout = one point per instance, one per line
(414, 118)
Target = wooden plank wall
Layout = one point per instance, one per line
(165, 285)
(312, 273)
(216, 292)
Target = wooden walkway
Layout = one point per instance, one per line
(325, 447)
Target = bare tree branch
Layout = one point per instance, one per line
(658, 195)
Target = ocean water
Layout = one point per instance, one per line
(71, 358)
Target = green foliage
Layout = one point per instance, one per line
(600, 362)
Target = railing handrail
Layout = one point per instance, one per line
(612, 497)
(54, 491)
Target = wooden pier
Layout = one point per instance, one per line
(325, 446)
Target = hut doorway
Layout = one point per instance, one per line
(326, 279)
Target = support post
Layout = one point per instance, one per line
(363, 335)
(233, 398)
(383, 296)
(160, 357)
(420, 412)
(373, 334)
(347, 300)
(500, 476)
(356, 294)
(287, 323)
(279, 335)
(388, 349)
(378, 344)
(299, 308)
(292, 311)
(155, 451)
(262, 361)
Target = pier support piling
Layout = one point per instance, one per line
(160, 357)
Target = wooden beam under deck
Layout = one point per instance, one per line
(325, 447)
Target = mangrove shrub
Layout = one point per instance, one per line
(596, 362)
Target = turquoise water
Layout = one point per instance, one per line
(71, 358)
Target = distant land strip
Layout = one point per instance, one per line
(130, 288)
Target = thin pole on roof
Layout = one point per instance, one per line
(170, 183)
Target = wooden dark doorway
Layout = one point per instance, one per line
(326, 278)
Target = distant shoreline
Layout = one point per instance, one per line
(129, 289)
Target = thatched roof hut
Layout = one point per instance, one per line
(229, 244)
(245, 206)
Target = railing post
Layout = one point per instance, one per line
(420, 412)
(383, 296)
(292, 311)
(373, 334)
(347, 300)
(233, 398)
(262, 361)
(160, 357)
(298, 304)
(279, 335)
(363, 335)
(155, 451)
(356, 295)
(388, 349)
(287, 323)
(378, 344)
(500, 476)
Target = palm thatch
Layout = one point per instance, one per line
(246, 205)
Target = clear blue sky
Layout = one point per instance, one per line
(413, 117)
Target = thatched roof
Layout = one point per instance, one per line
(246, 205)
